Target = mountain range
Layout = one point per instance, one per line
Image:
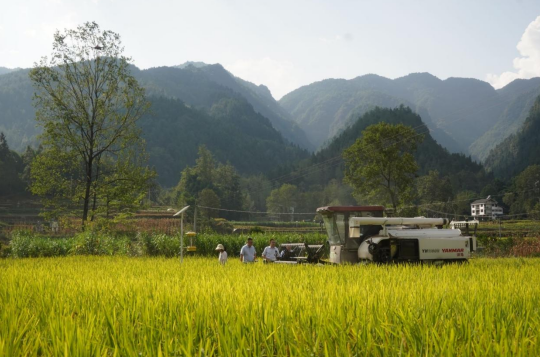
(193, 105)
(464, 115)
(240, 122)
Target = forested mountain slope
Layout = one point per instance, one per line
(212, 114)
(231, 130)
(4, 70)
(464, 173)
(470, 111)
(519, 150)
(17, 115)
(202, 85)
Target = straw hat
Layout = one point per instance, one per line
(220, 247)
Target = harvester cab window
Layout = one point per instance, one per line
(335, 227)
(341, 223)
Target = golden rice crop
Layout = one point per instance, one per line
(117, 306)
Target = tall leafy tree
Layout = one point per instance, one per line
(525, 195)
(88, 104)
(283, 199)
(207, 174)
(208, 198)
(381, 165)
(434, 189)
(257, 188)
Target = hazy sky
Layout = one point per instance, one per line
(287, 44)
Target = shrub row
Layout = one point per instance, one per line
(26, 244)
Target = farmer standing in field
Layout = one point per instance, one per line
(248, 253)
(222, 254)
(270, 253)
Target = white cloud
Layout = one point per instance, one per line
(528, 65)
(278, 76)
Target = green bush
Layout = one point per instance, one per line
(20, 244)
(99, 243)
(27, 244)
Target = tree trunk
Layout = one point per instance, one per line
(87, 193)
(94, 203)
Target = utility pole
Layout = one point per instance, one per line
(181, 214)
(195, 219)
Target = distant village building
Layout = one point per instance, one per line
(486, 208)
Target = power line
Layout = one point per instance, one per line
(256, 212)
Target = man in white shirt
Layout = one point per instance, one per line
(247, 253)
(270, 253)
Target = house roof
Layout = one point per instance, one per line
(484, 200)
(349, 209)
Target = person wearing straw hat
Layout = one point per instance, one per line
(222, 254)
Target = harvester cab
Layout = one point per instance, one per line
(344, 245)
(361, 233)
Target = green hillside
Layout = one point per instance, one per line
(17, 115)
(204, 85)
(197, 85)
(198, 111)
(463, 172)
(231, 130)
(519, 150)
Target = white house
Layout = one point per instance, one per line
(486, 208)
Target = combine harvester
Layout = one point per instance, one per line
(361, 234)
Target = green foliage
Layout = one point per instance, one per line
(461, 204)
(462, 171)
(25, 244)
(231, 129)
(213, 184)
(283, 200)
(256, 189)
(88, 104)
(12, 167)
(524, 195)
(433, 188)
(161, 244)
(380, 164)
(92, 242)
(208, 198)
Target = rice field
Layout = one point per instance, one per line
(119, 306)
